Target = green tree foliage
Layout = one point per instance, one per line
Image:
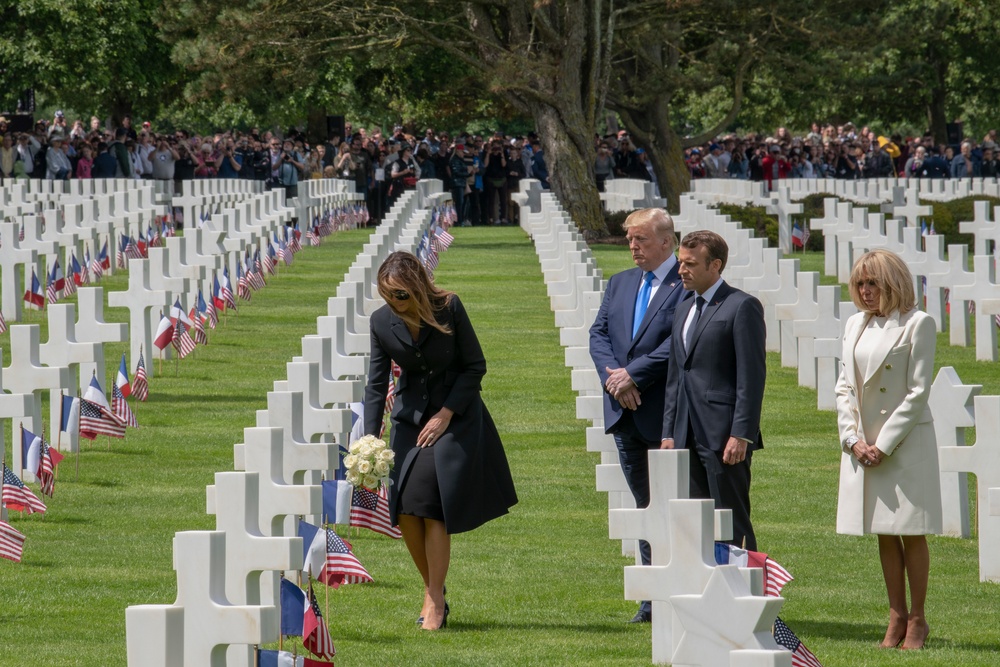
(94, 56)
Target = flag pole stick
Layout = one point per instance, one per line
(78, 448)
(21, 426)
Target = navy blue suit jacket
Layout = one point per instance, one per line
(716, 388)
(645, 356)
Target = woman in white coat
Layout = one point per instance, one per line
(889, 479)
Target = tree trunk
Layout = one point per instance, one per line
(569, 157)
(936, 108)
(651, 131)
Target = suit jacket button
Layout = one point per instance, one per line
(424, 397)
(423, 380)
(418, 354)
(882, 389)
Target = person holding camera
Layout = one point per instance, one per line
(495, 181)
(163, 159)
(286, 167)
(232, 162)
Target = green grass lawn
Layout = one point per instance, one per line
(542, 586)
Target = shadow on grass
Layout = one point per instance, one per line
(870, 634)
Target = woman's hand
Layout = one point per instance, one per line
(434, 428)
(870, 456)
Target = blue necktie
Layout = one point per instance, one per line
(642, 301)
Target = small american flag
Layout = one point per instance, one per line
(775, 576)
(140, 385)
(95, 266)
(182, 340)
(11, 542)
(120, 407)
(97, 420)
(18, 497)
(801, 656)
(267, 260)
(3, 323)
(371, 510)
(52, 293)
(315, 635)
(200, 337)
(390, 396)
(47, 469)
(443, 240)
(342, 566)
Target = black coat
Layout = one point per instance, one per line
(440, 370)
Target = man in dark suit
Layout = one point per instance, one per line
(715, 381)
(630, 345)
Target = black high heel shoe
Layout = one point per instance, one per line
(444, 591)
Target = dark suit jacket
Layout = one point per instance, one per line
(645, 356)
(717, 387)
(440, 370)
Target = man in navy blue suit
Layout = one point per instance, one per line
(630, 346)
(715, 381)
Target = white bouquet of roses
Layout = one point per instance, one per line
(368, 463)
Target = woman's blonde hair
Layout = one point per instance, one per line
(891, 275)
(403, 271)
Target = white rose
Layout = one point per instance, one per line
(352, 478)
(381, 468)
(364, 467)
(366, 450)
(350, 460)
(370, 482)
(355, 447)
(387, 455)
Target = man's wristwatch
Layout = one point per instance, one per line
(850, 442)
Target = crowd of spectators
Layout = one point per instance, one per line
(481, 172)
(841, 152)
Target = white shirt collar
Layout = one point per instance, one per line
(710, 292)
(660, 272)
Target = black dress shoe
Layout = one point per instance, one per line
(642, 616)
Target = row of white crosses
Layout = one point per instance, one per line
(806, 321)
(863, 191)
(629, 194)
(689, 593)
(228, 579)
(75, 348)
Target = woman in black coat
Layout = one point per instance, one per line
(451, 474)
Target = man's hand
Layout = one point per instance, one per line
(667, 443)
(629, 398)
(735, 452)
(618, 380)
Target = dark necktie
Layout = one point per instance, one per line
(699, 303)
(642, 301)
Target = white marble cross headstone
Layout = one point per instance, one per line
(782, 205)
(144, 303)
(951, 405)
(804, 307)
(27, 375)
(92, 328)
(983, 460)
(14, 261)
(211, 622)
(982, 289)
(691, 526)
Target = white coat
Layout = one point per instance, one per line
(902, 495)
